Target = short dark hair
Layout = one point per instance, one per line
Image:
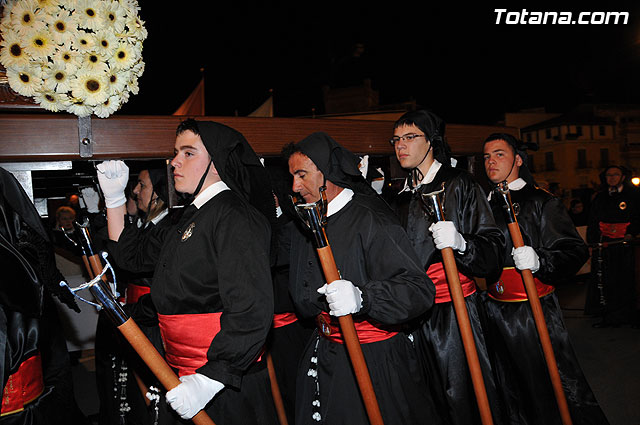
(188, 125)
(288, 150)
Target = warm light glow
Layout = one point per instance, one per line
(635, 181)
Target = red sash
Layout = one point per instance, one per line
(437, 274)
(367, 332)
(613, 230)
(134, 292)
(23, 386)
(510, 287)
(187, 338)
(283, 319)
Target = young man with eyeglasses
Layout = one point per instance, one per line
(470, 230)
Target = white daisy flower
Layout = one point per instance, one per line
(79, 108)
(136, 28)
(52, 101)
(40, 45)
(107, 107)
(90, 14)
(124, 97)
(83, 42)
(61, 25)
(12, 51)
(69, 56)
(56, 77)
(94, 61)
(26, 18)
(114, 17)
(138, 68)
(124, 56)
(131, 6)
(49, 6)
(118, 80)
(25, 80)
(133, 86)
(106, 42)
(90, 87)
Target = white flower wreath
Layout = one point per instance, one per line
(79, 56)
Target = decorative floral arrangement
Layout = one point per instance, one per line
(80, 56)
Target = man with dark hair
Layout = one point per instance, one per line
(382, 285)
(553, 250)
(469, 229)
(211, 286)
(614, 219)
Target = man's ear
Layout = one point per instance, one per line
(519, 161)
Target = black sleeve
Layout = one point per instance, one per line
(485, 242)
(562, 251)
(137, 250)
(242, 245)
(399, 289)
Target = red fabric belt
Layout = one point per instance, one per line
(613, 230)
(134, 292)
(187, 338)
(283, 319)
(367, 332)
(23, 386)
(437, 274)
(511, 288)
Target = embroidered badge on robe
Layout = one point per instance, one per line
(187, 233)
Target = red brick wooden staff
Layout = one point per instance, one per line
(314, 217)
(536, 307)
(127, 326)
(434, 205)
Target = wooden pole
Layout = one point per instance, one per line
(146, 350)
(468, 342)
(275, 391)
(543, 331)
(353, 344)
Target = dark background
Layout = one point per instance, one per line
(448, 57)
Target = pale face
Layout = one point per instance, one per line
(614, 177)
(143, 191)
(190, 162)
(307, 179)
(65, 220)
(411, 153)
(499, 161)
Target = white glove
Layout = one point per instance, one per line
(445, 235)
(91, 199)
(193, 394)
(113, 177)
(525, 257)
(343, 297)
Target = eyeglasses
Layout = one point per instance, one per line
(407, 137)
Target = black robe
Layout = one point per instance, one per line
(438, 338)
(372, 251)
(519, 361)
(612, 290)
(223, 266)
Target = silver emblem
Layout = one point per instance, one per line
(187, 233)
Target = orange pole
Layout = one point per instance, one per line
(543, 331)
(469, 344)
(275, 391)
(353, 344)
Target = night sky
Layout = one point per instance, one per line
(452, 59)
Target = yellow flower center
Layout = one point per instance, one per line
(26, 18)
(112, 17)
(66, 57)
(92, 85)
(24, 78)
(38, 42)
(104, 43)
(60, 26)
(93, 58)
(49, 98)
(112, 79)
(90, 13)
(121, 54)
(59, 76)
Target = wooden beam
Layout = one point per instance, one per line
(47, 137)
